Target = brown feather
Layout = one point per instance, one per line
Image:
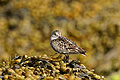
(64, 45)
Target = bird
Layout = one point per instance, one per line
(64, 45)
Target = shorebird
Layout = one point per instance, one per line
(64, 45)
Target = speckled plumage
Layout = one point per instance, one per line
(64, 45)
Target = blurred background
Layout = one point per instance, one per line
(94, 25)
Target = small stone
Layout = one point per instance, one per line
(5, 76)
(49, 78)
(96, 76)
(57, 67)
(57, 71)
(25, 56)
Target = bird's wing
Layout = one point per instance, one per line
(65, 45)
(59, 45)
(71, 47)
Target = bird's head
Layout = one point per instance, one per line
(55, 35)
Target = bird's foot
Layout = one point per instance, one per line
(66, 59)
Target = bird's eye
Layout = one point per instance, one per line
(55, 34)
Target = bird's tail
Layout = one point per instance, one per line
(83, 53)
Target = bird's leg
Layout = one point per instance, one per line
(66, 58)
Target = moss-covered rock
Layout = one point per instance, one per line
(45, 68)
